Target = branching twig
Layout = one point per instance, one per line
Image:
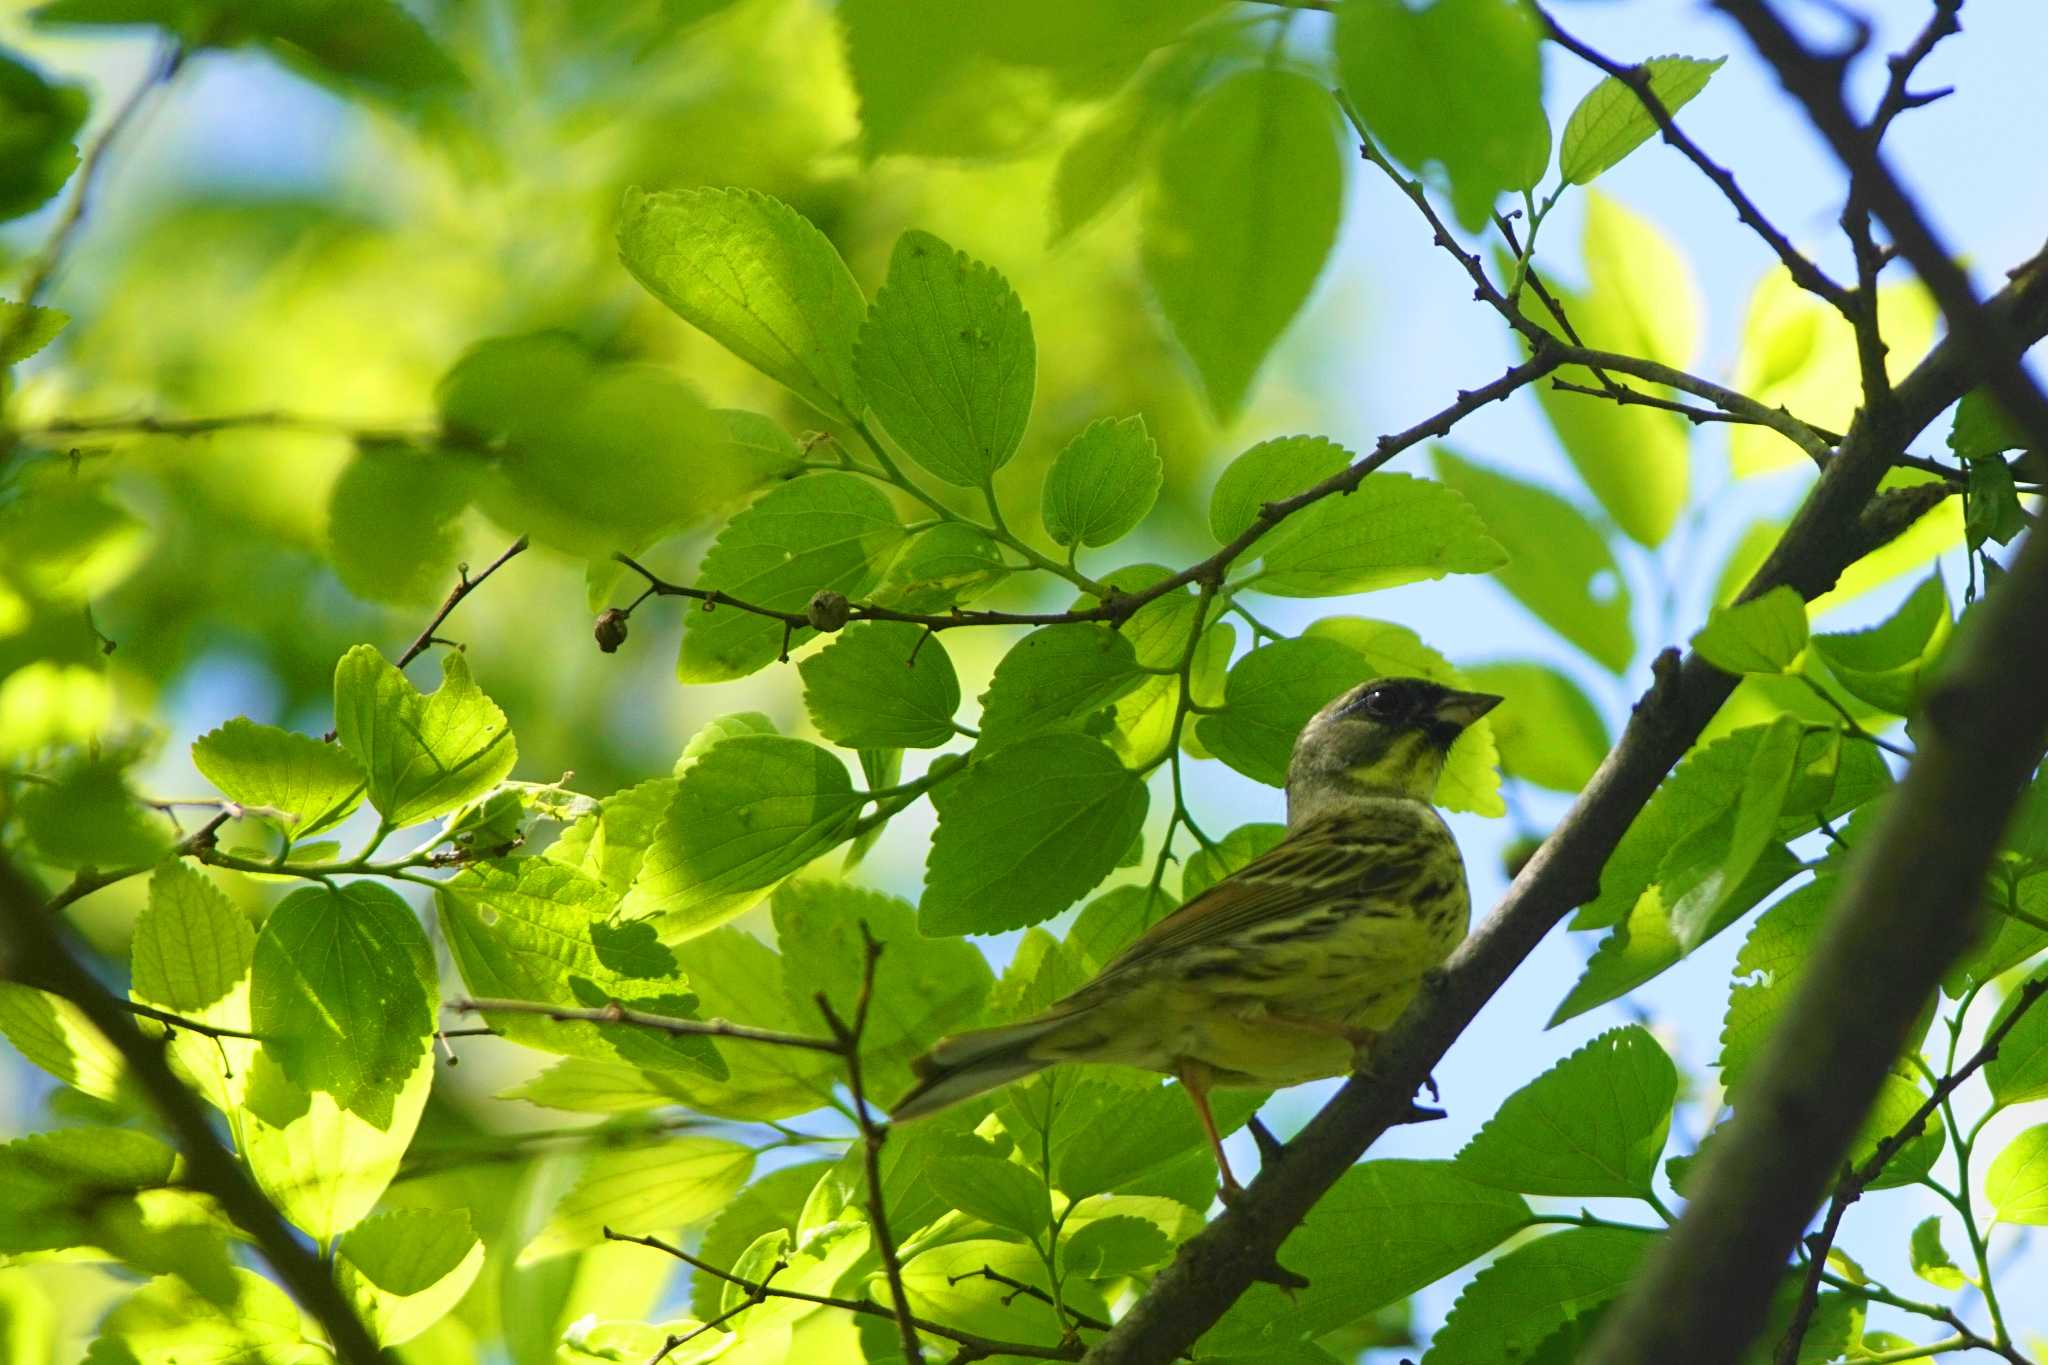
(194, 427)
(464, 586)
(1026, 1289)
(616, 1013)
(757, 1294)
(88, 880)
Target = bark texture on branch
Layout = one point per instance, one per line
(1838, 523)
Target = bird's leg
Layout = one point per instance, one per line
(1194, 1079)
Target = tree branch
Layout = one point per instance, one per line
(464, 586)
(1216, 1266)
(615, 1013)
(34, 954)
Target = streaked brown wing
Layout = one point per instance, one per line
(1337, 857)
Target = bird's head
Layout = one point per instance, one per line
(1387, 736)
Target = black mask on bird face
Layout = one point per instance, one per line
(1390, 734)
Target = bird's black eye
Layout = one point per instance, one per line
(1381, 703)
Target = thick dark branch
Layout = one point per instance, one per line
(1854, 1183)
(1214, 1268)
(31, 952)
(464, 586)
(1809, 276)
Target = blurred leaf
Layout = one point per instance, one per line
(882, 685)
(771, 1204)
(39, 120)
(261, 765)
(1249, 189)
(403, 1269)
(424, 754)
(2002, 941)
(1558, 563)
(1933, 533)
(2020, 1070)
(1640, 299)
(1102, 483)
(1981, 428)
(343, 992)
(1271, 693)
(677, 1182)
(533, 929)
(1055, 679)
(755, 276)
(995, 1191)
(927, 84)
(1026, 832)
(1210, 864)
(392, 523)
(166, 1323)
(1458, 85)
(1994, 512)
(88, 817)
(1612, 121)
(1547, 730)
(1594, 1124)
(1116, 147)
(1369, 1248)
(821, 533)
(924, 988)
(751, 812)
(1884, 664)
(947, 361)
(2017, 1183)
(1523, 1297)
(63, 541)
(48, 705)
(944, 567)
(55, 1034)
(1931, 1261)
(1763, 635)
(24, 329)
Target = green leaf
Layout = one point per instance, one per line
(1767, 971)
(41, 119)
(771, 1204)
(1109, 923)
(1706, 875)
(393, 518)
(1884, 665)
(611, 844)
(1993, 509)
(1558, 563)
(1117, 145)
(1386, 1229)
(947, 361)
(26, 329)
(1393, 529)
(1458, 85)
(944, 567)
(680, 1181)
(924, 988)
(405, 1269)
(167, 1322)
(1640, 298)
(534, 929)
(1594, 1124)
(748, 814)
(995, 1191)
(1548, 732)
(1982, 429)
(928, 85)
(88, 817)
(1611, 121)
(1110, 1248)
(1130, 1138)
(1270, 694)
(1897, 1101)
(1057, 678)
(56, 1035)
(2017, 1183)
(821, 533)
(736, 976)
(424, 755)
(343, 992)
(1265, 473)
(1931, 1261)
(261, 765)
(1470, 780)
(1763, 635)
(64, 541)
(191, 947)
(1210, 864)
(753, 275)
(1249, 189)
(946, 1284)
(1102, 483)
(1026, 832)
(2002, 942)
(2020, 1070)
(882, 685)
(1522, 1298)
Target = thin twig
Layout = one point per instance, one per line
(88, 880)
(757, 1294)
(179, 1021)
(1030, 1291)
(464, 586)
(866, 1307)
(615, 1013)
(115, 424)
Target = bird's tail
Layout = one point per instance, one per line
(967, 1064)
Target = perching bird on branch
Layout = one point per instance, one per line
(1286, 970)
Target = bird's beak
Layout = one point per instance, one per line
(1462, 708)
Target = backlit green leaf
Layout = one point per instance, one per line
(1612, 120)
(944, 567)
(752, 274)
(1981, 428)
(1102, 484)
(191, 946)
(1931, 1261)
(1994, 512)
(1594, 1124)
(42, 118)
(392, 523)
(1558, 564)
(405, 1268)
(423, 755)
(1897, 1101)
(1113, 1247)
(1884, 665)
(26, 330)
(1249, 189)
(1026, 832)
(1522, 1298)
(947, 361)
(2017, 1183)
(1393, 529)
(882, 685)
(1762, 635)
(1271, 693)
(1548, 732)
(1708, 874)
(821, 533)
(2020, 1070)
(995, 1191)
(770, 1204)
(1766, 972)
(1210, 864)
(261, 765)
(56, 1035)
(1057, 678)
(676, 1182)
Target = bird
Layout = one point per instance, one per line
(1286, 970)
